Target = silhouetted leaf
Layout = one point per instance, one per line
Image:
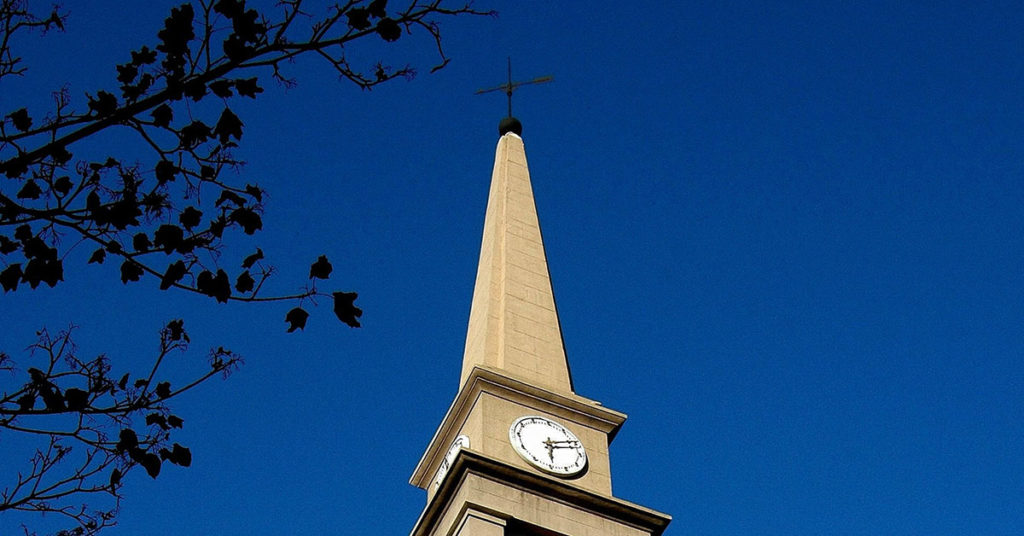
(174, 421)
(221, 88)
(140, 242)
(62, 185)
(389, 30)
(20, 119)
(137, 453)
(59, 154)
(157, 419)
(176, 330)
(296, 319)
(217, 226)
(217, 286)
(144, 83)
(92, 201)
(195, 89)
(132, 92)
(181, 455)
(321, 269)
(248, 219)
(152, 464)
(245, 282)
(104, 104)
(190, 217)
(247, 26)
(127, 72)
(228, 195)
(30, 190)
(7, 245)
(376, 8)
(163, 389)
(229, 8)
(165, 171)
(168, 237)
(52, 398)
(144, 56)
(195, 133)
(236, 49)
(98, 256)
(115, 477)
(247, 87)
(77, 399)
(255, 192)
(358, 18)
(177, 32)
(23, 232)
(130, 271)
(43, 270)
(127, 440)
(15, 167)
(251, 259)
(36, 248)
(173, 274)
(141, 383)
(345, 308)
(178, 455)
(124, 213)
(123, 382)
(38, 377)
(162, 115)
(26, 402)
(10, 277)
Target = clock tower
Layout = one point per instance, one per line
(519, 452)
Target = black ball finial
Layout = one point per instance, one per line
(510, 124)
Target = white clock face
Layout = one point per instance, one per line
(548, 445)
(460, 443)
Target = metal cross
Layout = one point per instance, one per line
(511, 86)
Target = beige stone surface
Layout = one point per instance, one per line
(476, 523)
(513, 323)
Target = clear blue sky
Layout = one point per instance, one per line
(786, 238)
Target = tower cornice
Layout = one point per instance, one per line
(572, 407)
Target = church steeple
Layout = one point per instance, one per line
(513, 323)
(519, 452)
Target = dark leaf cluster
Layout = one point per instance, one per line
(152, 217)
(100, 424)
(164, 215)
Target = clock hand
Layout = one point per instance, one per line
(551, 448)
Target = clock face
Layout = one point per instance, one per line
(548, 445)
(460, 443)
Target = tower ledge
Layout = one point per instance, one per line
(572, 407)
(502, 494)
